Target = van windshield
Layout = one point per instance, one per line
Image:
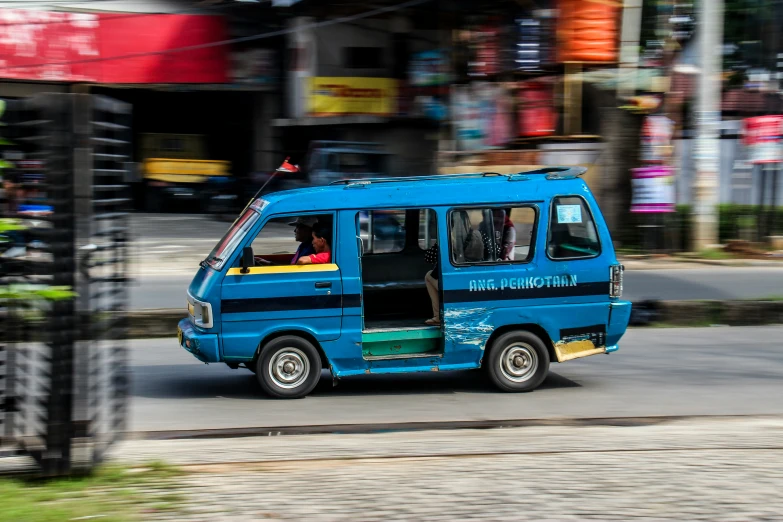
(226, 246)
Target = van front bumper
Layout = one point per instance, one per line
(204, 347)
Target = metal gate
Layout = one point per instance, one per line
(64, 384)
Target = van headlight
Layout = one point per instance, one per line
(200, 312)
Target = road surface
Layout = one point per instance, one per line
(168, 248)
(691, 371)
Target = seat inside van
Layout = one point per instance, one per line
(393, 281)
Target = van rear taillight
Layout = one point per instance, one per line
(616, 280)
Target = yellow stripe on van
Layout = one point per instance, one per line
(286, 269)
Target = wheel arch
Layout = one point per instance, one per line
(304, 334)
(535, 329)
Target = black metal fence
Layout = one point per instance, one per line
(668, 233)
(64, 386)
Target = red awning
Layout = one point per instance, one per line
(112, 48)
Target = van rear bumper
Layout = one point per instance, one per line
(203, 347)
(619, 316)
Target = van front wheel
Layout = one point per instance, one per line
(517, 362)
(288, 367)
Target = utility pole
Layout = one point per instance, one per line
(706, 185)
(630, 42)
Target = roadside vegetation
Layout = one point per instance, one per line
(113, 493)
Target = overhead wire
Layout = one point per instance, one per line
(231, 41)
(194, 9)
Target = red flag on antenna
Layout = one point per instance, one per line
(287, 167)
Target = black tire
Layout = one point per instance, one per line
(517, 361)
(301, 355)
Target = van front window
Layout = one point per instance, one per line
(226, 246)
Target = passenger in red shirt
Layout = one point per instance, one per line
(322, 242)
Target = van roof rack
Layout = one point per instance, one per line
(553, 173)
(400, 179)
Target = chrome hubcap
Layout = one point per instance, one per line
(518, 362)
(289, 368)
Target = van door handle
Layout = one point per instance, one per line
(323, 284)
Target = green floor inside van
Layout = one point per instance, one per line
(401, 342)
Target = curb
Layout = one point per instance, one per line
(154, 322)
(686, 262)
(387, 427)
(706, 313)
(163, 322)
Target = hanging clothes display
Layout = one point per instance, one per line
(536, 114)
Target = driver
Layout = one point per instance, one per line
(303, 232)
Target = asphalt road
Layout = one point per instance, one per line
(692, 371)
(168, 248)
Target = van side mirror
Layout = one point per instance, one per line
(247, 259)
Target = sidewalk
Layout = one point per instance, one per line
(550, 437)
(703, 469)
(717, 469)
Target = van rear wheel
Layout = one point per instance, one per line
(288, 367)
(517, 362)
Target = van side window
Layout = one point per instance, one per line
(492, 235)
(572, 233)
(428, 229)
(282, 240)
(382, 231)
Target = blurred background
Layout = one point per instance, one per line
(221, 91)
(132, 132)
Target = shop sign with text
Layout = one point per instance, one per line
(762, 136)
(332, 96)
(653, 190)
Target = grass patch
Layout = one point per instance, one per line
(112, 493)
(768, 298)
(694, 324)
(715, 255)
(629, 251)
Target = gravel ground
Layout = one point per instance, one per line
(717, 469)
(708, 468)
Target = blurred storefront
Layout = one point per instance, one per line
(182, 66)
(442, 85)
(350, 82)
(519, 96)
(449, 85)
(438, 83)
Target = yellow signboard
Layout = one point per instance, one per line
(192, 167)
(339, 96)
